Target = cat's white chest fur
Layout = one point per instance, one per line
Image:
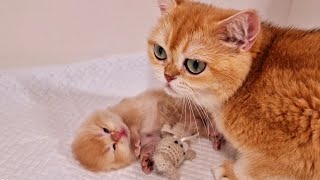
(214, 107)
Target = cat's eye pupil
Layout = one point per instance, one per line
(106, 130)
(114, 146)
(194, 66)
(159, 52)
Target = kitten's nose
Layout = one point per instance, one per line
(169, 78)
(116, 136)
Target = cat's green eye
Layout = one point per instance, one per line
(159, 52)
(194, 66)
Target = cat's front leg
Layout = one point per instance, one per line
(224, 171)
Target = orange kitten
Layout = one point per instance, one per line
(261, 83)
(103, 143)
(111, 139)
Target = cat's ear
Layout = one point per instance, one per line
(241, 30)
(166, 5)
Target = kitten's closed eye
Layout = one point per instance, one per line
(106, 130)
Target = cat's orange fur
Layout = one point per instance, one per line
(141, 117)
(93, 147)
(261, 83)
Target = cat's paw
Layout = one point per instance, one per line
(219, 173)
(136, 144)
(146, 158)
(217, 139)
(224, 171)
(147, 165)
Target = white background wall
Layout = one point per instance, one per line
(305, 14)
(37, 32)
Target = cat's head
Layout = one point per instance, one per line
(202, 52)
(103, 142)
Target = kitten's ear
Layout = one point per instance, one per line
(166, 5)
(241, 30)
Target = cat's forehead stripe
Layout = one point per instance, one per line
(181, 29)
(176, 34)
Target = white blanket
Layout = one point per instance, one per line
(40, 108)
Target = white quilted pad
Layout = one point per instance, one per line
(40, 108)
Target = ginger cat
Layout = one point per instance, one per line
(260, 82)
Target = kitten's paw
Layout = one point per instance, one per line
(146, 158)
(148, 142)
(219, 173)
(137, 148)
(136, 143)
(216, 139)
(147, 165)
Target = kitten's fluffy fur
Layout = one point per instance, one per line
(94, 148)
(139, 119)
(261, 83)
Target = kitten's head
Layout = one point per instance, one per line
(202, 51)
(103, 143)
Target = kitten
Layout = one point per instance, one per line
(115, 137)
(103, 143)
(261, 83)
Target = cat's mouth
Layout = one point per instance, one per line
(124, 133)
(170, 91)
(118, 135)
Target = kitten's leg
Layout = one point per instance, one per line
(148, 144)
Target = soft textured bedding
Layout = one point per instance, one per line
(40, 109)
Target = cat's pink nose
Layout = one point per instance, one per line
(169, 78)
(116, 136)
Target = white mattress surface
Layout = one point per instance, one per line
(40, 109)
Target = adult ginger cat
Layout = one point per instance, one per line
(260, 82)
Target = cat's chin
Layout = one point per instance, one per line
(171, 92)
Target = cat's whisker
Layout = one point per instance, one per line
(181, 113)
(209, 119)
(176, 104)
(215, 112)
(189, 115)
(202, 119)
(184, 112)
(164, 114)
(202, 116)
(189, 99)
